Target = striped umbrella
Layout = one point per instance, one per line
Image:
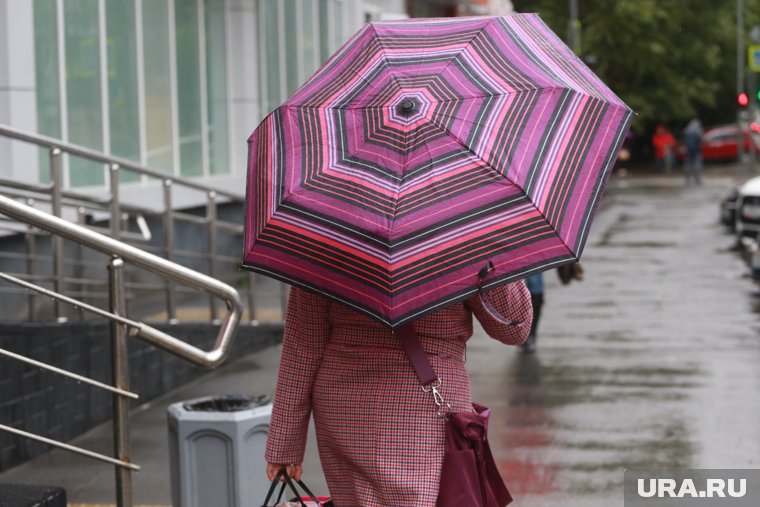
(424, 150)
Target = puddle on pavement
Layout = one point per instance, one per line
(557, 442)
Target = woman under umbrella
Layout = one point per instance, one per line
(422, 153)
(381, 442)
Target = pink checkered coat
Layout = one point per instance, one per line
(380, 441)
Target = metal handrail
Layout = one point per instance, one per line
(123, 163)
(41, 192)
(57, 196)
(154, 264)
(68, 447)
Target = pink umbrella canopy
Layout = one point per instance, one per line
(424, 150)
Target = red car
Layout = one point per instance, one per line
(720, 143)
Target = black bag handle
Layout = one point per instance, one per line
(282, 473)
(308, 492)
(272, 487)
(288, 481)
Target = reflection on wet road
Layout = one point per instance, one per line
(651, 361)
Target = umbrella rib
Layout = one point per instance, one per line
(441, 73)
(446, 132)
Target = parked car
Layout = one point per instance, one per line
(740, 211)
(720, 143)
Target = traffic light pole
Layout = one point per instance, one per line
(740, 72)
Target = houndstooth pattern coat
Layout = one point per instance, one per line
(379, 438)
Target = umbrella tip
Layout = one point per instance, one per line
(407, 106)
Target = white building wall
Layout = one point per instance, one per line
(242, 78)
(18, 108)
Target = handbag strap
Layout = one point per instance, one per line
(422, 367)
(417, 355)
(419, 358)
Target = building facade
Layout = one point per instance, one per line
(177, 85)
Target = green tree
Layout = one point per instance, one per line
(670, 60)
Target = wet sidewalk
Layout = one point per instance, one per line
(651, 361)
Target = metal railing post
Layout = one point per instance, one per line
(212, 240)
(115, 205)
(56, 181)
(120, 365)
(171, 300)
(31, 252)
(80, 269)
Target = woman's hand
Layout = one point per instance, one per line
(293, 470)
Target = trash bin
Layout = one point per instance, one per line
(216, 447)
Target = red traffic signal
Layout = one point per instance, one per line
(743, 99)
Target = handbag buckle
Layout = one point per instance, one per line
(443, 409)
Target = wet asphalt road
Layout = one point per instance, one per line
(650, 362)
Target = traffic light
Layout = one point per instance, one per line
(743, 99)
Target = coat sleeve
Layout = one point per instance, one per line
(512, 301)
(307, 330)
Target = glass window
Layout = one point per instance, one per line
(270, 55)
(188, 88)
(47, 76)
(124, 120)
(157, 77)
(305, 45)
(291, 46)
(311, 57)
(336, 14)
(216, 85)
(83, 99)
(324, 30)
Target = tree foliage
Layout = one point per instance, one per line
(670, 60)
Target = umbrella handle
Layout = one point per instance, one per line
(490, 310)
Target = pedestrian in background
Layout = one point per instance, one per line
(535, 284)
(664, 145)
(692, 140)
(381, 443)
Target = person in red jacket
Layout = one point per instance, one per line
(664, 145)
(381, 442)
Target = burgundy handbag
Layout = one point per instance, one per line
(469, 477)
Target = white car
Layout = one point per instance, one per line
(748, 209)
(748, 223)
